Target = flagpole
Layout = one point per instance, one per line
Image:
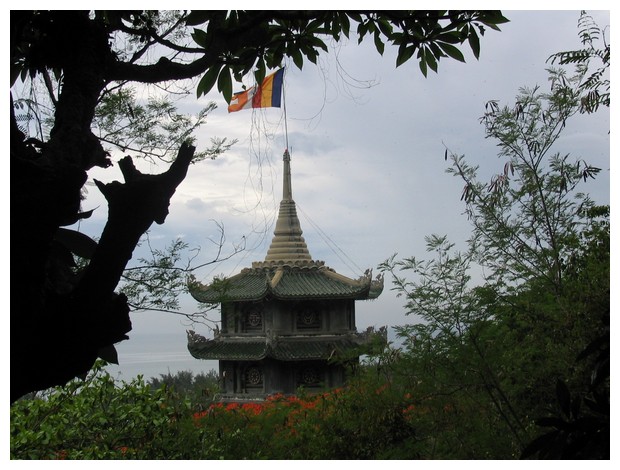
(284, 106)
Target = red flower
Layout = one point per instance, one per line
(275, 397)
(232, 406)
(254, 408)
(308, 405)
(409, 409)
(199, 415)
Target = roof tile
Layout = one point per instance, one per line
(292, 283)
(284, 349)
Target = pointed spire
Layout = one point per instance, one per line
(288, 245)
(287, 189)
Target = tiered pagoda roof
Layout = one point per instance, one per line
(288, 272)
(288, 282)
(283, 348)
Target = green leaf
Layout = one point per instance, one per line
(437, 53)
(207, 81)
(379, 43)
(423, 66)
(492, 19)
(452, 37)
(404, 54)
(259, 74)
(224, 83)
(312, 55)
(315, 26)
(346, 24)
(273, 58)
(200, 37)
(197, 17)
(362, 29)
(355, 16)
(317, 42)
(430, 60)
(75, 217)
(334, 28)
(452, 51)
(24, 74)
(385, 27)
(297, 58)
(474, 42)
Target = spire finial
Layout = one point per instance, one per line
(288, 244)
(287, 189)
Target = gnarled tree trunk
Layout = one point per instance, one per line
(61, 320)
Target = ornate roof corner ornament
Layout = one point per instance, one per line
(194, 338)
(376, 287)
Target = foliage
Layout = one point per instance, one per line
(581, 424)
(524, 219)
(370, 418)
(580, 420)
(594, 85)
(157, 281)
(199, 389)
(433, 35)
(96, 419)
(373, 417)
(153, 129)
(450, 359)
(505, 320)
(364, 420)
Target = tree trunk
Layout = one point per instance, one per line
(61, 319)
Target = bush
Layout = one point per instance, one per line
(98, 419)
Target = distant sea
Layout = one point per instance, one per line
(151, 355)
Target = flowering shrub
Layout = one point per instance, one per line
(346, 423)
(100, 419)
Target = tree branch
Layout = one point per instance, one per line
(133, 207)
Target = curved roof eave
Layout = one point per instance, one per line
(283, 349)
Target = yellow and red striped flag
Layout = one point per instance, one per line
(267, 95)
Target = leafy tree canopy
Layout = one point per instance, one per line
(517, 325)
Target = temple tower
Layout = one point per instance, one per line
(284, 320)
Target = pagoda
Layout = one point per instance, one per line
(288, 321)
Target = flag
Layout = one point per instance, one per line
(267, 95)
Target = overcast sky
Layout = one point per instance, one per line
(368, 164)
